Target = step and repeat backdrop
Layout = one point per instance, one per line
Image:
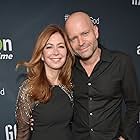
(21, 22)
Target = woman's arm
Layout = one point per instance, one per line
(23, 112)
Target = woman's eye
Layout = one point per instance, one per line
(48, 47)
(61, 46)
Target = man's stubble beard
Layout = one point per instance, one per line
(95, 47)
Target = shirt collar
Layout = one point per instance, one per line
(106, 56)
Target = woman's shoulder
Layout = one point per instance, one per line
(24, 90)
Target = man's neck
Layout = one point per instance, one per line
(90, 64)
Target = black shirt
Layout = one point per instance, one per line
(52, 120)
(98, 99)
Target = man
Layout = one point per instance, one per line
(102, 79)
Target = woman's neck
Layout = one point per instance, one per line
(53, 76)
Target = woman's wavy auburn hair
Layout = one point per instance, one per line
(39, 85)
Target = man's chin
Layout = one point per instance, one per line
(83, 58)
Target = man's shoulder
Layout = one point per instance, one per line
(118, 54)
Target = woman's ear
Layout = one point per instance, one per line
(42, 58)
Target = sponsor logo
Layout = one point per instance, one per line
(2, 91)
(138, 118)
(6, 49)
(10, 132)
(135, 2)
(138, 50)
(66, 17)
(94, 20)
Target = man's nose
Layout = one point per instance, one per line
(80, 40)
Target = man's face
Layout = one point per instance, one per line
(83, 37)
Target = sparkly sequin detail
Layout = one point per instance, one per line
(68, 92)
(24, 104)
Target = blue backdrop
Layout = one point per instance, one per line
(21, 22)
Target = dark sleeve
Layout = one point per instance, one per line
(130, 93)
(23, 113)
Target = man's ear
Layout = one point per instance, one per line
(96, 31)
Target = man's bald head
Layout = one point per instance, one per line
(78, 17)
(82, 34)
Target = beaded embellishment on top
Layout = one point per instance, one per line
(68, 92)
(24, 104)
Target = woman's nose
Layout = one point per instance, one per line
(56, 51)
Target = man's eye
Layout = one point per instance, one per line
(85, 33)
(73, 39)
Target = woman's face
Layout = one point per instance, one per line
(55, 52)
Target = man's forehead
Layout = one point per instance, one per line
(78, 20)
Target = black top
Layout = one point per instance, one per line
(52, 119)
(98, 98)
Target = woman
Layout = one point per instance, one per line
(46, 94)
